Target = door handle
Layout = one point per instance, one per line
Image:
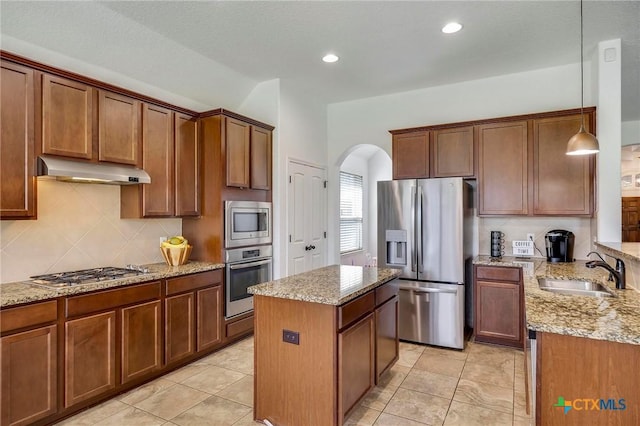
(309, 247)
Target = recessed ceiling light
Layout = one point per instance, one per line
(330, 58)
(451, 27)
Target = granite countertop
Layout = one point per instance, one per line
(615, 319)
(331, 285)
(16, 293)
(629, 251)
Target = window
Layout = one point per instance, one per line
(350, 212)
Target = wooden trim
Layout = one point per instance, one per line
(355, 309)
(231, 114)
(193, 282)
(500, 273)
(30, 315)
(532, 116)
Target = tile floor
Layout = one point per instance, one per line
(482, 385)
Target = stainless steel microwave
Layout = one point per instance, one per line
(247, 223)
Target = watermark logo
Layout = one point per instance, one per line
(590, 404)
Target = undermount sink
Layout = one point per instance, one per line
(577, 287)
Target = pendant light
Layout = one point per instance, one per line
(583, 142)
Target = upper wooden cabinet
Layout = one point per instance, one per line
(17, 162)
(503, 168)
(119, 127)
(411, 155)
(248, 154)
(562, 184)
(67, 117)
(452, 152)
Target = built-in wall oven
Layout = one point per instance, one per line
(245, 267)
(247, 223)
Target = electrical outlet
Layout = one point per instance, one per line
(289, 336)
(531, 237)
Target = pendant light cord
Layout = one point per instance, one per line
(581, 70)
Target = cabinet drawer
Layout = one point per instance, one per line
(25, 316)
(111, 299)
(192, 282)
(239, 327)
(498, 273)
(355, 309)
(386, 292)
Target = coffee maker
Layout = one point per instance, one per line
(559, 245)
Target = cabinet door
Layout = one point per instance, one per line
(452, 152)
(411, 155)
(29, 376)
(387, 350)
(498, 312)
(179, 327)
(90, 363)
(356, 370)
(237, 137)
(119, 129)
(187, 166)
(562, 184)
(209, 308)
(502, 169)
(17, 161)
(260, 158)
(67, 125)
(141, 348)
(158, 161)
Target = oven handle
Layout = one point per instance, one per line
(249, 264)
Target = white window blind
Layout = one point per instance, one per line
(350, 212)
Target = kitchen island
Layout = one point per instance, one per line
(322, 340)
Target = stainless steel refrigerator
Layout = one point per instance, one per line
(425, 229)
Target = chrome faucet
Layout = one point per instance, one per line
(618, 274)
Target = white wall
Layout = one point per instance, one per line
(630, 132)
(369, 120)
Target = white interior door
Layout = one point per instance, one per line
(306, 223)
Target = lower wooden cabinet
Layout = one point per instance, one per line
(499, 305)
(387, 351)
(29, 376)
(141, 337)
(179, 338)
(356, 358)
(209, 307)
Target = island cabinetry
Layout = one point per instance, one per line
(193, 314)
(114, 334)
(29, 385)
(503, 171)
(499, 305)
(386, 317)
(17, 165)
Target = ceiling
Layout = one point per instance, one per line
(215, 51)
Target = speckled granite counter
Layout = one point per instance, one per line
(331, 285)
(16, 293)
(627, 251)
(609, 318)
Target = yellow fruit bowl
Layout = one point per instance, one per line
(176, 255)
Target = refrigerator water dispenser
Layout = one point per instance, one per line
(396, 246)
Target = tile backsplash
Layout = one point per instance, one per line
(78, 227)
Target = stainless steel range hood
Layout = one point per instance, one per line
(78, 171)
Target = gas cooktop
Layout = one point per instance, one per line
(86, 276)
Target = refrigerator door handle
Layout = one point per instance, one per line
(420, 224)
(414, 218)
(422, 290)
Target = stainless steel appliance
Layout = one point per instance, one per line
(425, 229)
(245, 267)
(247, 223)
(559, 244)
(86, 276)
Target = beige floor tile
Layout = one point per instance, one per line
(378, 398)
(185, 372)
(521, 421)
(96, 414)
(471, 415)
(145, 391)
(520, 404)
(172, 401)
(391, 420)
(408, 357)
(498, 376)
(362, 416)
(418, 406)
(449, 353)
(247, 421)
(132, 416)
(213, 411)
(488, 348)
(393, 377)
(431, 383)
(240, 391)
(497, 359)
(489, 396)
(232, 359)
(439, 364)
(244, 344)
(213, 379)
